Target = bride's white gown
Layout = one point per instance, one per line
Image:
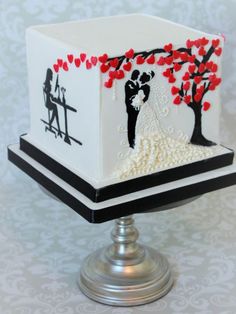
(154, 148)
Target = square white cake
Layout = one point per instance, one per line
(118, 98)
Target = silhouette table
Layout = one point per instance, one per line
(125, 273)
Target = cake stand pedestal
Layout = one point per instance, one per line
(125, 273)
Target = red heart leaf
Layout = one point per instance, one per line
(103, 58)
(197, 97)
(56, 67)
(177, 100)
(214, 67)
(88, 64)
(168, 47)
(140, 60)
(114, 62)
(83, 57)
(201, 51)
(77, 62)
(167, 73)
(204, 41)
(192, 58)
(186, 85)
(218, 51)
(201, 68)
(171, 79)
(174, 90)
(169, 60)
(184, 56)
(151, 59)
(130, 53)
(187, 99)
(177, 67)
(120, 74)
(176, 54)
(192, 68)
(60, 62)
(112, 74)
(161, 61)
(189, 43)
(108, 84)
(104, 67)
(65, 66)
(70, 58)
(215, 42)
(127, 66)
(94, 60)
(186, 76)
(197, 79)
(206, 105)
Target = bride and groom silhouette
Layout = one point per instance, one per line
(136, 93)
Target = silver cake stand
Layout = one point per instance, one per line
(126, 273)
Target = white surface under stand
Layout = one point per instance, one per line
(127, 273)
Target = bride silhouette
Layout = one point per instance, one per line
(136, 93)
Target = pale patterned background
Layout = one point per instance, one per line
(42, 242)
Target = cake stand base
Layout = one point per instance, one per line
(125, 273)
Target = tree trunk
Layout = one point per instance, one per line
(197, 136)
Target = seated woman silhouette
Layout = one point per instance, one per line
(51, 102)
(136, 93)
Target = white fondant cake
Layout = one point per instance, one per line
(120, 97)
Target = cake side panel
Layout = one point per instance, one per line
(64, 104)
(141, 119)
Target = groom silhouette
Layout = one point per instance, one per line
(133, 87)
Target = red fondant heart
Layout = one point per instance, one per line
(104, 67)
(77, 62)
(192, 58)
(197, 79)
(65, 66)
(209, 65)
(177, 100)
(127, 66)
(171, 79)
(187, 99)
(186, 76)
(103, 58)
(197, 43)
(177, 67)
(212, 77)
(212, 87)
(176, 54)
(214, 67)
(184, 56)
(218, 51)
(108, 84)
(200, 90)
(88, 64)
(140, 60)
(197, 97)
(169, 60)
(204, 41)
(130, 53)
(192, 68)
(167, 73)
(94, 60)
(112, 74)
(186, 85)
(174, 90)
(60, 62)
(151, 59)
(82, 57)
(206, 105)
(215, 42)
(70, 58)
(168, 47)
(114, 62)
(201, 68)
(161, 61)
(56, 67)
(202, 51)
(189, 43)
(120, 74)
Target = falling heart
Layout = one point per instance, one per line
(94, 60)
(103, 58)
(70, 58)
(77, 62)
(56, 67)
(65, 66)
(83, 57)
(88, 64)
(127, 66)
(109, 83)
